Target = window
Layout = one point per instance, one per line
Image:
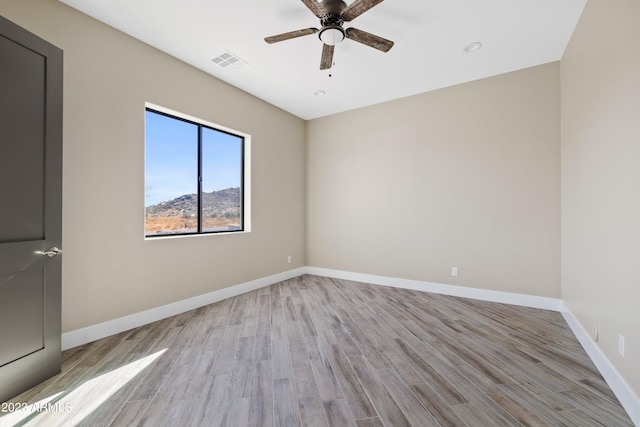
(194, 176)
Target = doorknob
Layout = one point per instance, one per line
(52, 252)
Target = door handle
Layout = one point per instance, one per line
(52, 252)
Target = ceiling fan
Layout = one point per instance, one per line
(332, 14)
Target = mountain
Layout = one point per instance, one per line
(222, 203)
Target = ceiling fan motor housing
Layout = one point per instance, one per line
(334, 7)
(332, 32)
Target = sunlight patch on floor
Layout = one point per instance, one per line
(71, 407)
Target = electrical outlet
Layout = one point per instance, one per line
(621, 345)
(289, 259)
(454, 271)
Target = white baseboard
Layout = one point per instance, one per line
(622, 390)
(437, 288)
(102, 330)
(111, 327)
(628, 399)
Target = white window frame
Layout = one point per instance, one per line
(246, 183)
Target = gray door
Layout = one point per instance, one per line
(30, 209)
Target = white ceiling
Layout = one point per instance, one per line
(429, 35)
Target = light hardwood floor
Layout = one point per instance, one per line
(316, 351)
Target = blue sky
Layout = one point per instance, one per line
(171, 155)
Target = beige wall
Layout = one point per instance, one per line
(600, 80)
(466, 176)
(109, 270)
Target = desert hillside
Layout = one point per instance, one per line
(220, 211)
(222, 203)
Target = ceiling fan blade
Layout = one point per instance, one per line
(357, 8)
(369, 39)
(290, 35)
(315, 7)
(327, 57)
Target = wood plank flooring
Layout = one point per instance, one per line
(314, 351)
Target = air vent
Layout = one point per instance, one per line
(229, 61)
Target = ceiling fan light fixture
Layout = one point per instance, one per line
(332, 35)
